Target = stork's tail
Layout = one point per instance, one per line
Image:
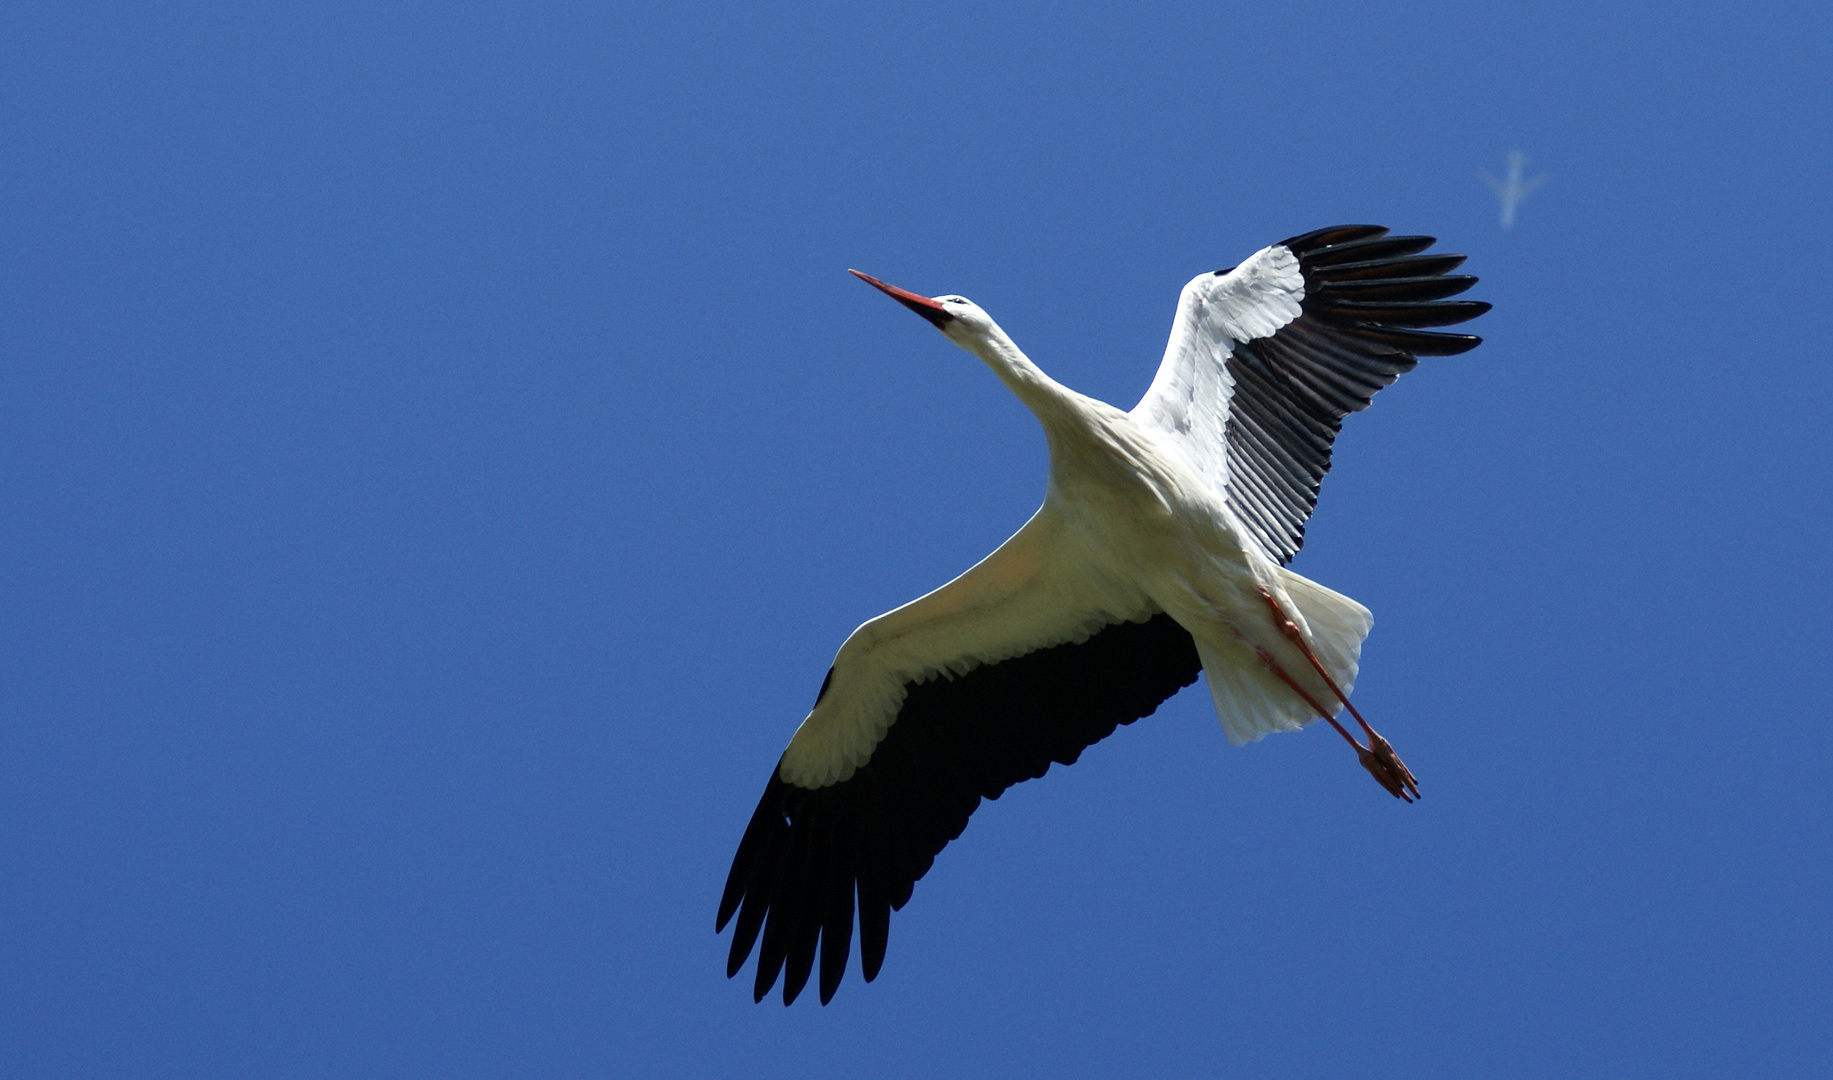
(1251, 701)
(1336, 623)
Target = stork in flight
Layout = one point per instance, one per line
(1159, 553)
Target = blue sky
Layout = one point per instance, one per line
(442, 451)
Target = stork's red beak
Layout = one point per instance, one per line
(922, 305)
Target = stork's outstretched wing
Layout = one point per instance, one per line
(1267, 358)
(1024, 660)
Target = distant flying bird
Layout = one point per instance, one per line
(1159, 552)
(1512, 190)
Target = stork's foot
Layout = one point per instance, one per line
(1378, 756)
(1394, 777)
(1387, 768)
(1379, 770)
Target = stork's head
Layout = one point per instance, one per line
(959, 318)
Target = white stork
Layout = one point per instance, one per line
(1159, 552)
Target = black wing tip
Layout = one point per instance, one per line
(735, 891)
(830, 975)
(1380, 288)
(1331, 236)
(1411, 314)
(1417, 288)
(1375, 247)
(1421, 342)
(1384, 269)
(792, 987)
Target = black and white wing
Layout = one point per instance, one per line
(1267, 358)
(1025, 660)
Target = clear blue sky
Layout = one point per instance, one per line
(440, 451)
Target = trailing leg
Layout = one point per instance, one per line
(1378, 757)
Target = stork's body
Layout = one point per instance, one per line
(1158, 552)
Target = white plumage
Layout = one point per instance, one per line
(1159, 550)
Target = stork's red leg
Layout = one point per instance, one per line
(1267, 659)
(1395, 781)
(1393, 774)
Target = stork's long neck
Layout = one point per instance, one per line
(1051, 401)
(1088, 439)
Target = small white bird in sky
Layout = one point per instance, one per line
(1159, 553)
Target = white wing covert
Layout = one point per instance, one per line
(1033, 592)
(1267, 358)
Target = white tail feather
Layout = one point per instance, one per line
(1335, 625)
(1251, 701)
